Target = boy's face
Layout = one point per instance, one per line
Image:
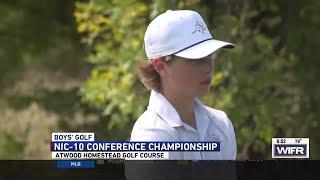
(191, 77)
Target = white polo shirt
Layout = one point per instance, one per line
(161, 122)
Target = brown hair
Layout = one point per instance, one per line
(149, 77)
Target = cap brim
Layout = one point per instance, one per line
(204, 49)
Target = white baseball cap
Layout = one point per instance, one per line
(182, 33)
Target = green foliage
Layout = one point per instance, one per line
(114, 37)
(259, 88)
(41, 65)
(9, 146)
(267, 85)
(255, 83)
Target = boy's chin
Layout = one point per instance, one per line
(203, 92)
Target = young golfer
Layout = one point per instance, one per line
(181, 53)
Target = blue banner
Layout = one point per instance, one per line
(65, 164)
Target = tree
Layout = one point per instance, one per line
(256, 83)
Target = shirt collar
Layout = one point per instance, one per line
(164, 108)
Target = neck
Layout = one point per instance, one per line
(183, 104)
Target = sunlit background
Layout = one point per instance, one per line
(70, 66)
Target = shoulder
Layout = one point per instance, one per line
(150, 127)
(220, 118)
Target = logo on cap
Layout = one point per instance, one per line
(199, 28)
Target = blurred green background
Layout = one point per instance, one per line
(70, 66)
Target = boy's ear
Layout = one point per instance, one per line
(157, 64)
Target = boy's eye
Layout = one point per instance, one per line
(200, 61)
(205, 59)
